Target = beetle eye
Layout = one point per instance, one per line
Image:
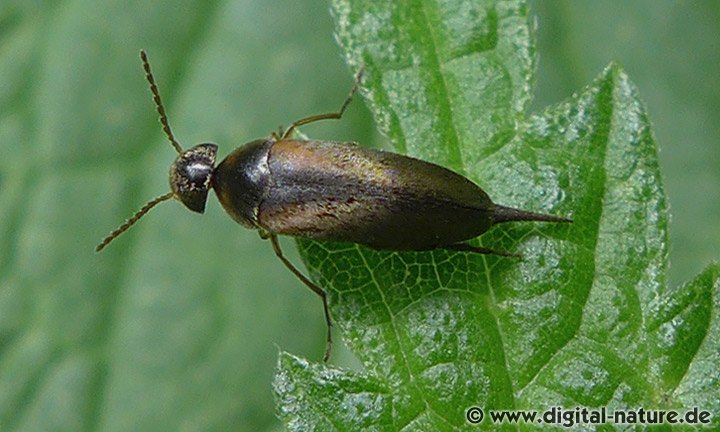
(197, 174)
(190, 176)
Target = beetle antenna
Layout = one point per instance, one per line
(158, 102)
(130, 222)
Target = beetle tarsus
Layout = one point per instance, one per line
(464, 247)
(316, 289)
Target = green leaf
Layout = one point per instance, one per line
(670, 52)
(584, 319)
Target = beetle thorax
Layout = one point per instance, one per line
(190, 176)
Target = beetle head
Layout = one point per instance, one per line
(190, 175)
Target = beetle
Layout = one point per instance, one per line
(332, 191)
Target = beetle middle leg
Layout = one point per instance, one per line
(464, 247)
(333, 115)
(316, 289)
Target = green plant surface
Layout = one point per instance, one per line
(672, 52)
(177, 325)
(586, 318)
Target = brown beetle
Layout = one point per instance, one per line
(332, 191)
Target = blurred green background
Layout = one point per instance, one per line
(176, 326)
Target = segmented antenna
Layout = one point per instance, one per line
(168, 132)
(130, 222)
(158, 102)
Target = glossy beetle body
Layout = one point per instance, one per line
(342, 192)
(327, 190)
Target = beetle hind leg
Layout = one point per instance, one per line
(316, 289)
(464, 247)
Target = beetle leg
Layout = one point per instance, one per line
(276, 135)
(316, 289)
(334, 115)
(464, 247)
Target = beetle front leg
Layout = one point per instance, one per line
(316, 289)
(334, 115)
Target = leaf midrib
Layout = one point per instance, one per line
(453, 144)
